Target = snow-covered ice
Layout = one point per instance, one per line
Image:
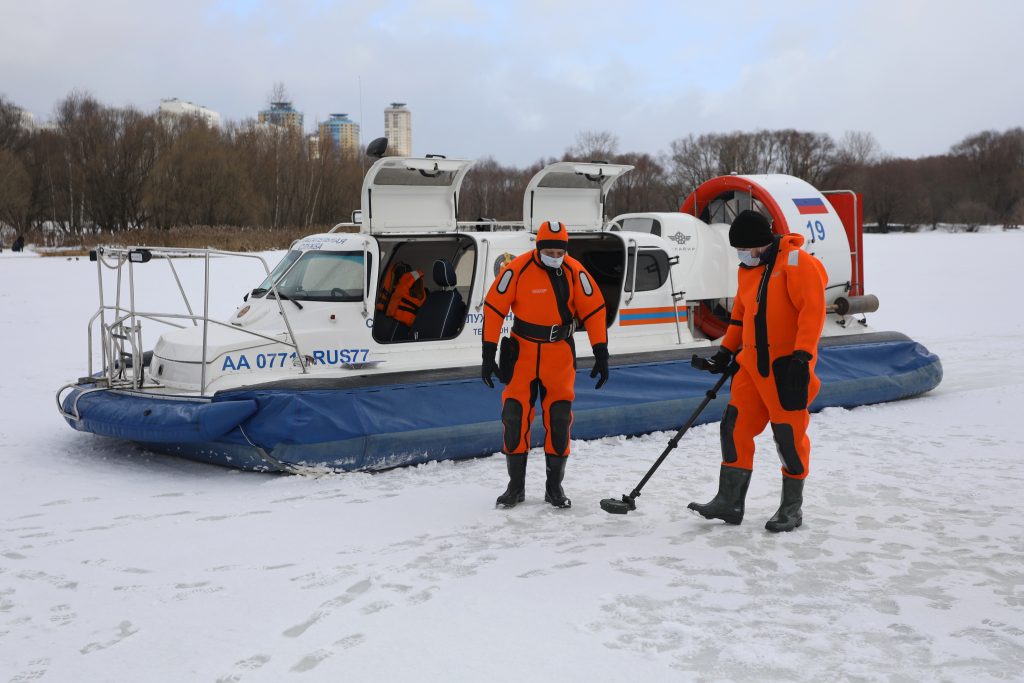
(117, 564)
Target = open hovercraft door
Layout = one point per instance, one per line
(571, 192)
(423, 287)
(412, 195)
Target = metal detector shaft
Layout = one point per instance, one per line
(709, 396)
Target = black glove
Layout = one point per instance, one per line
(600, 364)
(792, 377)
(716, 365)
(490, 365)
(799, 371)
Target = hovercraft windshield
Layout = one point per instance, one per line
(316, 276)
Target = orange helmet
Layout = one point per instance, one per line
(552, 235)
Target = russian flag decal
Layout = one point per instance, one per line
(810, 205)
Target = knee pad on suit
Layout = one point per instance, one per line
(512, 420)
(785, 444)
(726, 432)
(560, 416)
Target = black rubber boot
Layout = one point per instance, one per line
(553, 492)
(789, 516)
(727, 504)
(516, 490)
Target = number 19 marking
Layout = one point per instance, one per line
(817, 229)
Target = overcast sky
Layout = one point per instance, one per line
(519, 80)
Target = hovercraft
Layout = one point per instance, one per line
(360, 350)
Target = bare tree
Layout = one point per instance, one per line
(76, 117)
(494, 191)
(593, 146)
(857, 147)
(805, 155)
(889, 193)
(340, 189)
(691, 161)
(199, 181)
(642, 189)
(1018, 215)
(12, 134)
(940, 179)
(15, 191)
(744, 152)
(997, 162)
(278, 93)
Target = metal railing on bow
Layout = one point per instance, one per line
(120, 328)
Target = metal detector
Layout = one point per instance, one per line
(616, 506)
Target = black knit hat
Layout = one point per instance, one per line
(750, 229)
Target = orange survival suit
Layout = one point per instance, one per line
(793, 313)
(539, 357)
(777, 318)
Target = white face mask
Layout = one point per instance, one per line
(551, 262)
(747, 258)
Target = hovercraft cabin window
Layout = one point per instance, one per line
(651, 226)
(651, 269)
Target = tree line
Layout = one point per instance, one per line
(118, 169)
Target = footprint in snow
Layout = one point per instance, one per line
(124, 630)
(252, 663)
(191, 590)
(62, 615)
(313, 659)
(327, 608)
(423, 595)
(35, 671)
(375, 607)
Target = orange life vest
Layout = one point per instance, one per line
(387, 283)
(406, 298)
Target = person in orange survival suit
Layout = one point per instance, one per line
(547, 290)
(777, 317)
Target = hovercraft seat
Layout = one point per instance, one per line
(442, 314)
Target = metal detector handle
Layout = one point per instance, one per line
(709, 396)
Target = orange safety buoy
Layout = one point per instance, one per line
(706, 321)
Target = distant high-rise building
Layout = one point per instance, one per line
(313, 145)
(172, 106)
(282, 114)
(343, 133)
(26, 119)
(398, 128)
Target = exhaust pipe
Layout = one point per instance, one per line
(848, 305)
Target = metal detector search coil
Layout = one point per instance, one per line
(618, 507)
(628, 502)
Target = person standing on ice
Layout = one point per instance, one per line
(777, 318)
(548, 291)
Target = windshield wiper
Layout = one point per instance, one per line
(285, 297)
(259, 291)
